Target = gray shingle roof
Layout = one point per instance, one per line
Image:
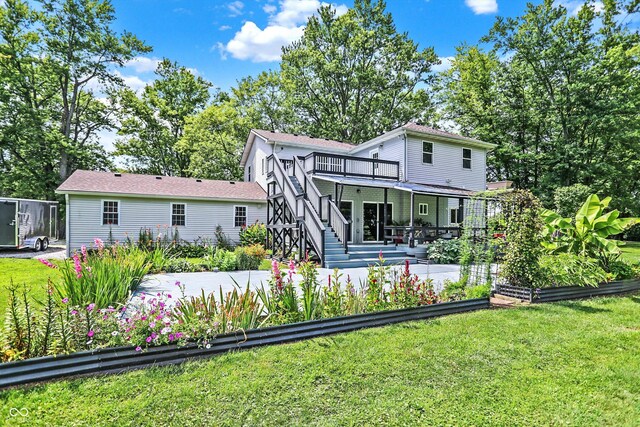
(292, 138)
(82, 181)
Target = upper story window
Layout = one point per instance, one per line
(110, 212)
(249, 173)
(466, 158)
(427, 152)
(240, 216)
(178, 214)
(374, 154)
(423, 209)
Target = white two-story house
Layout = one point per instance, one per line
(344, 203)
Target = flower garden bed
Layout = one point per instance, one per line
(568, 292)
(115, 360)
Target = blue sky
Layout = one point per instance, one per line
(227, 40)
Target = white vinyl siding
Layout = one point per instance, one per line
(391, 149)
(447, 169)
(136, 213)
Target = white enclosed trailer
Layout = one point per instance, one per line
(26, 223)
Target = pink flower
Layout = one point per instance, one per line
(90, 334)
(138, 348)
(65, 300)
(91, 306)
(77, 265)
(99, 243)
(47, 263)
(83, 249)
(74, 312)
(149, 339)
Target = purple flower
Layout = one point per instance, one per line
(91, 306)
(138, 348)
(149, 339)
(171, 337)
(65, 300)
(74, 312)
(90, 334)
(177, 283)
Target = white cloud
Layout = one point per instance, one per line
(269, 9)
(574, 6)
(480, 7)
(142, 64)
(224, 28)
(264, 45)
(235, 8)
(445, 64)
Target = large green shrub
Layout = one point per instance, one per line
(250, 257)
(523, 230)
(255, 234)
(587, 233)
(570, 270)
(567, 200)
(444, 251)
(223, 260)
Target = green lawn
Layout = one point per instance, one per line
(571, 363)
(631, 251)
(23, 271)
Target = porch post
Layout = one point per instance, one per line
(335, 190)
(437, 217)
(460, 215)
(384, 217)
(413, 196)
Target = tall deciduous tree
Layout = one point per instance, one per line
(353, 76)
(153, 123)
(213, 140)
(49, 116)
(560, 94)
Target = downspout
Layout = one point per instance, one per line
(404, 165)
(66, 224)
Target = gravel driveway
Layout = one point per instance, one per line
(55, 251)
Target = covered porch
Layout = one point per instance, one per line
(386, 212)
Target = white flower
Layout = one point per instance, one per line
(114, 333)
(165, 331)
(208, 346)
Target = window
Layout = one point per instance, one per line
(262, 163)
(240, 216)
(110, 212)
(466, 158)
(249, 173)
(375, 155)
(178, 214)
(453, 216)
(423, 209)
(427, 152)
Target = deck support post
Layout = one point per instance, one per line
(384, 217)
(437, 217)
(411, 233)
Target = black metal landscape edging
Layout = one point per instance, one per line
(568, 292)
(120, 359)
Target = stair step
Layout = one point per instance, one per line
(336, 257)
(333, 251)
(354, 263)
(385, 255)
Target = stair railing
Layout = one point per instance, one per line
(325, 207)
(301, 206)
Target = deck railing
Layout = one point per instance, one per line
(336, 164)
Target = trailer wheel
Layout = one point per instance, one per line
(45, 244)
(38, 246)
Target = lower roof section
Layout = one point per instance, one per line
(412, 187)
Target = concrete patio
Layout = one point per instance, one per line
(211, 282)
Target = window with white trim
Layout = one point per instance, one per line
(427, 152)
(240, 216)
(178, 214)
(466, 158)
(423, 209)
(249, 173)
(453, 216)
(110, 212)
(375, 155)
